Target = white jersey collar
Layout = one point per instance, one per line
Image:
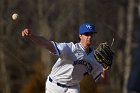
(82, 47)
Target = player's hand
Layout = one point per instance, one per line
(25, 33)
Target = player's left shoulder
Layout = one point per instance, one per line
(91, 49)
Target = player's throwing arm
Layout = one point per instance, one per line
(39, 40)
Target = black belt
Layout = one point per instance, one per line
(59, 84)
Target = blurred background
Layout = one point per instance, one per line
(24, 66)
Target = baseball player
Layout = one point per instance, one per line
(75, 60)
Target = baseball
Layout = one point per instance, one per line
(15, 16)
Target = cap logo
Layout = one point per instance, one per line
(89, 26)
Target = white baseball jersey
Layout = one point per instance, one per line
(74, 63)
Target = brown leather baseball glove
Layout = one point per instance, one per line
(104, 55)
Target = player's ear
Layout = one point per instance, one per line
(80, 35)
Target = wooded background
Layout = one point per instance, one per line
(24, 66)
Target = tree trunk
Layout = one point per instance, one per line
(128, 46)
(3, 70)
(139, 8)
(120, 52)
(4, 76)
(44, 29)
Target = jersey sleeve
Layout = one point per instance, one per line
(62, 49)
(97, 71)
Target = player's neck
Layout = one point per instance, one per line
(86, 47)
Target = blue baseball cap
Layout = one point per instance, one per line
(87, 27)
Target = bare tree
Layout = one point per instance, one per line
(128, 46)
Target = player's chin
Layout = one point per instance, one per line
(88, 43)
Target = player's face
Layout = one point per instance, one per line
(86, 39)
